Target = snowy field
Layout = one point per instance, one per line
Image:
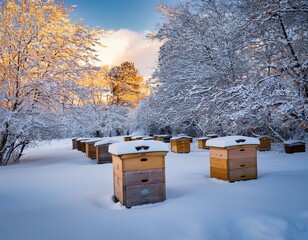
(58, 193)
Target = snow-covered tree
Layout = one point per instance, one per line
(42, 55)
(231, 67)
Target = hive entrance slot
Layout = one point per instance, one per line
(142, 148)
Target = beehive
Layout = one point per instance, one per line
(233, 158)
(74, 143)
(101, 151)
(265, 143)
(294, 146)
(81, 146)
(163, 138)
(202, 142)
(180, 144)
(139, 172)
(127, 138)
(90, 148)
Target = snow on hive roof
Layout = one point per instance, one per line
(293, 142)
(94, 140)
(212, 135)
(82, 139)
(203, 138)
(148, 138)
(139, 146)
(105, 142)
(180, 138)
(231, 141)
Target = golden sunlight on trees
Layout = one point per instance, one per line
(118, 85)
(127, 87)
(42, 55)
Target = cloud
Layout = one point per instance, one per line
(125, 45)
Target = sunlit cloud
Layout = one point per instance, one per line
(125, 45)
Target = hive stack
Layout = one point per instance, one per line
(90, 148)
(265, 143)
(202, 142)
(180, 144)
(233, 158)
(139, 171)
(101, 151)
(293, 146)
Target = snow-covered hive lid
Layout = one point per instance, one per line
(293, 142)
(203, 138)
(82, 139)
(105, 142)
(138, 146)
(229, 141)
(94, 140)
(178, 138)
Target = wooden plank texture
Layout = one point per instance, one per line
(242, 152)
(90, 150)
(243, 174)
(242, 163)
(102, 154)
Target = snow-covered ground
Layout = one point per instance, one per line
(58, 193)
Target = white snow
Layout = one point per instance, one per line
(94, 140)
(293, 142)
(138, 146)
(231, 141)
(203, 138)
(59, 193)
(180, 138)
(104, 142)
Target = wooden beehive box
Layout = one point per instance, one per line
(163, 138)
(81, 146)
(127, 138)
(233, 158)
(202, 142)
(101, 151)
(180, 144)
(139, 172)
(90, 148)
(74, 143)
(265, 143)
(294, 146)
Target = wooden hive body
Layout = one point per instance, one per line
(127, 138)
(102, 154)
(300, 147)
(81, 145)
(139, 178)
(180, 145)
(74, 143)
(91, 150)
(265, 144)
(234, 163)
(202, 142)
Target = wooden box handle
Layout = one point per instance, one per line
(144, 180)
(143, 159)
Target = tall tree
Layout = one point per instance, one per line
(126, 85)
(42, 54)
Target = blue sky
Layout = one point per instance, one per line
(135, 15)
